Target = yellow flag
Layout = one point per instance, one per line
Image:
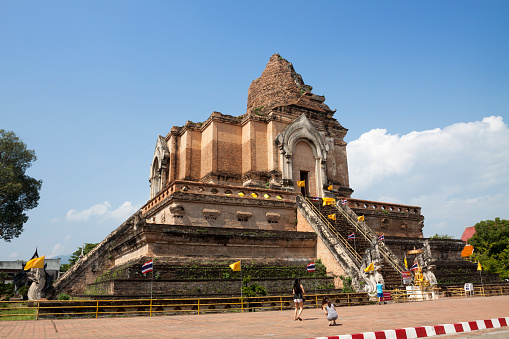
(479, 268)
(35, 263)
(406, 264)
(301, 183)
(329, 188)
(332, 216)
(467, 251)
(235, 266)
(361, 218)
(328, 201)
(371, 267)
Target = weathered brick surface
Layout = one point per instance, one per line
(322, 252)
(390, 219)
(172, 288)
(280, 85)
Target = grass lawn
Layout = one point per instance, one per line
(16, 311)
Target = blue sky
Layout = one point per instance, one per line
(423, 88)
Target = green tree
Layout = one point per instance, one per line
(18, 191)
(491, 246)
(5, 289)
(76, 256)
(347, 285)
(250, 289)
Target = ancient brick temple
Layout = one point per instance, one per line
(241, 170)
(228, 188)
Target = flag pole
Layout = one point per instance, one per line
(480, 276)
(314, 273)
(241, 298)
(152, 280)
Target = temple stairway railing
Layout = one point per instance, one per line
(344, 224)
(336, 243)
(370, 236)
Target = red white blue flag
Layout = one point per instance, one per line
(381, 238)
(147, 267)
(311, 267)
(344, 202)
(351, 236)
(316, 199)
(414, 266)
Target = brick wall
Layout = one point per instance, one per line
(229, 149)
(278, 286)
(322, 252)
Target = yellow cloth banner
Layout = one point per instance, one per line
(301, 183)
(406, 264)
(361, 218)
(328, 201)
(467, 251)
(332, 216)
(479, 268)
(371, 267)
(329, 188)
(35, 263)
(235, 266)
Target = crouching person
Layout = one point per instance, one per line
(330, 311)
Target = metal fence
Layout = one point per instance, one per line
(14, 310)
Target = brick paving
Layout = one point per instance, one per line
(269, 324)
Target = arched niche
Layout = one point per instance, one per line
(159, 168)
(302, 136)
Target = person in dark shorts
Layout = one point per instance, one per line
(379, 292)
(298, 298)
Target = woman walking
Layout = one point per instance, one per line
(298, 298)
(330, 311)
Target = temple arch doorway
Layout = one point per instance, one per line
(304, 159)
(302, 152)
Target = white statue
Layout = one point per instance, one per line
(38, 278)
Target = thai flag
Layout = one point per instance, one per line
(311, 267)
(351, 236)
(414, 266)
(316, 199)
(147, 267)
(344, 202)
(381, 238)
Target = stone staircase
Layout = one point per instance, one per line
(344, 228)
(346, 223)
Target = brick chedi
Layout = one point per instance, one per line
(245, 150)
(227, 187)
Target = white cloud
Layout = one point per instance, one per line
(14, 255)
(58, 249)
(123, 212)
(84, 215)
(104, 211)
(457, 174)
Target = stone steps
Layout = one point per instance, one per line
(343, 227)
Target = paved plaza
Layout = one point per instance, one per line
(268, 324)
